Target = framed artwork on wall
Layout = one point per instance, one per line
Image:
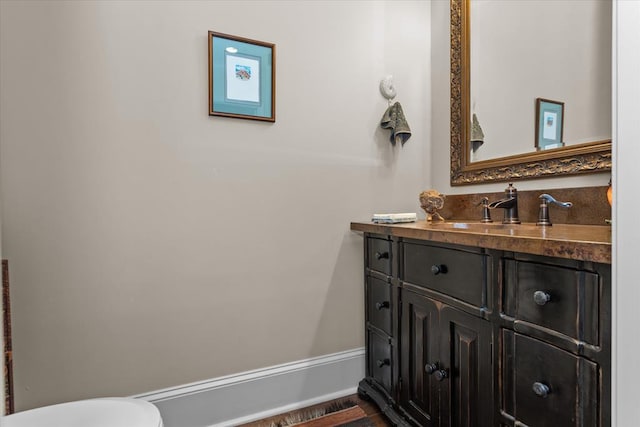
(549, 124)
(242, 76)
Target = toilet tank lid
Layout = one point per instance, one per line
(104, 412)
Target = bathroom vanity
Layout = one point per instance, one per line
(471, 324)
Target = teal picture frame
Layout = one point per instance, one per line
(242, 76)
(549, 124)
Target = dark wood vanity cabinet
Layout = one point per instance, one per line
(445, 363)
(466, 336)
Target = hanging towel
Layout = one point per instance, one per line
(394, 120)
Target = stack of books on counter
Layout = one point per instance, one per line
(392, 218)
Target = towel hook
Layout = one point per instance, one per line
(387, 88)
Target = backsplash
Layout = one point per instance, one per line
(590, 206)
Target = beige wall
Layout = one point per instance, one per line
(152, 245)
(440, 135)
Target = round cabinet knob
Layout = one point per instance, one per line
(430, 368)
(541, 390)
(381, 305)
(541, 297)
(441, 374)
(382, 255)
(438, 269)
(383, 362)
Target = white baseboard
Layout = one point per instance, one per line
(261, 393)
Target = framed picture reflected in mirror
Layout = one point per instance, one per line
(549, 124)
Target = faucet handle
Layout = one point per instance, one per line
(486, 216)
(543, 214)
(550, 199)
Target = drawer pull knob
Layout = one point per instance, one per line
(381, 305)
(430, 368)
(441, 374)
(383, 362)
(541, 389)
(438, 269)
(382, 255)
(541, 297)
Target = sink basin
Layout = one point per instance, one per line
(471, 225)
(485, 227)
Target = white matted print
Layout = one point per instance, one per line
(550, 125)
(242, 79)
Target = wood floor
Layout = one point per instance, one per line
(372, 411)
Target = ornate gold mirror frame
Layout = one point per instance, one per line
(570, 160)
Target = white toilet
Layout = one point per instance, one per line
(106, 412)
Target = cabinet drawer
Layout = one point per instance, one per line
(558, 298)
(379, 307)
(453, 272)
(379, 255)
(379, 359)
(546, 386)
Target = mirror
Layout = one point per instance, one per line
(581, 153)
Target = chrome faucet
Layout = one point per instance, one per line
(543, 214)
(509, 204)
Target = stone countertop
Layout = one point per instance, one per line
(578, 242)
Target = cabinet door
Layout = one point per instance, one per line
(419, 356)
(466, 393)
